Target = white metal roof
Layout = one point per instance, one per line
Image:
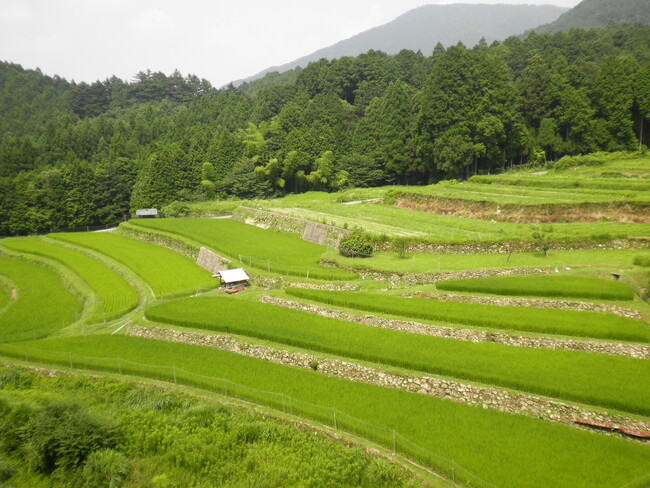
(146, 211)
(233, 275)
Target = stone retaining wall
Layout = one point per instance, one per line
(485, 397)
(325, 235)
(631, 313)
(470, 335)
(211, 261)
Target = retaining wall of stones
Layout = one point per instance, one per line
(485, 397)
(325, 235)
(469, 335)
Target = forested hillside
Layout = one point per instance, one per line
(85, 154)
(599, 13)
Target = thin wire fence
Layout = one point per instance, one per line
(328, 416)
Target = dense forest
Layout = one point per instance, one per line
(78, 154)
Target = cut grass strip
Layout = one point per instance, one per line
(116, 295)
(270, 250)
(538, 320)
(543, 286)
(503, 450)
(167, 273)
(589, 378)
(44, 304)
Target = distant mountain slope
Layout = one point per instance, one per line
(599, 13)
(423, 27)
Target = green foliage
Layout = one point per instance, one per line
(62, 435)
(400, 245)
(642, 260)
(356, 245)
(175, 209)
(194, 443)
(542, 237)
(543, 285)
(106, 468)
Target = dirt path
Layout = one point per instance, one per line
(484, 397)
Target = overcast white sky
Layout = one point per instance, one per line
(219, 40)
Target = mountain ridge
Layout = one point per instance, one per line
(590, 14)
(423, 27)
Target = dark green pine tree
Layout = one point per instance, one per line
(614, 91)
(395, 135)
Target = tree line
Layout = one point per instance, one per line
(76, 154)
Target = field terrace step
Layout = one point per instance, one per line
(628, 312)
(480, 396)
(471, 335)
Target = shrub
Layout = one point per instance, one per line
(642, 260)
(176, 209)
(63, 435)
(400, 246)
(356, 245)
(106, 468)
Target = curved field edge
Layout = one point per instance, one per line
(537, 320)
(538, 454)
(179, 433)
(271, 251)
(587, 378)
(44, 304)
(167, 273)
(117, 297)
(561, 286)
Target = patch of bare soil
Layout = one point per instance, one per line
(624, 212)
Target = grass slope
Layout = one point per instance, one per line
(589, 378)
(116, 295)
(44, 304)
(166, 272)
(539, 454)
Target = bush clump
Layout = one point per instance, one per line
(642, 260)
(356, 245)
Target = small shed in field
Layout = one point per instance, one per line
(233, 277)
(146, 213)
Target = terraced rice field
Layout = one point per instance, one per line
(44, 304)
(543, 286)
(544, 321)
(572, 375)
(403, 222)
(166, 272)
(272, 251)
(466, 445)
(116, 296)
(457, 440)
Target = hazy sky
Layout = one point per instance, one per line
(219, 40)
